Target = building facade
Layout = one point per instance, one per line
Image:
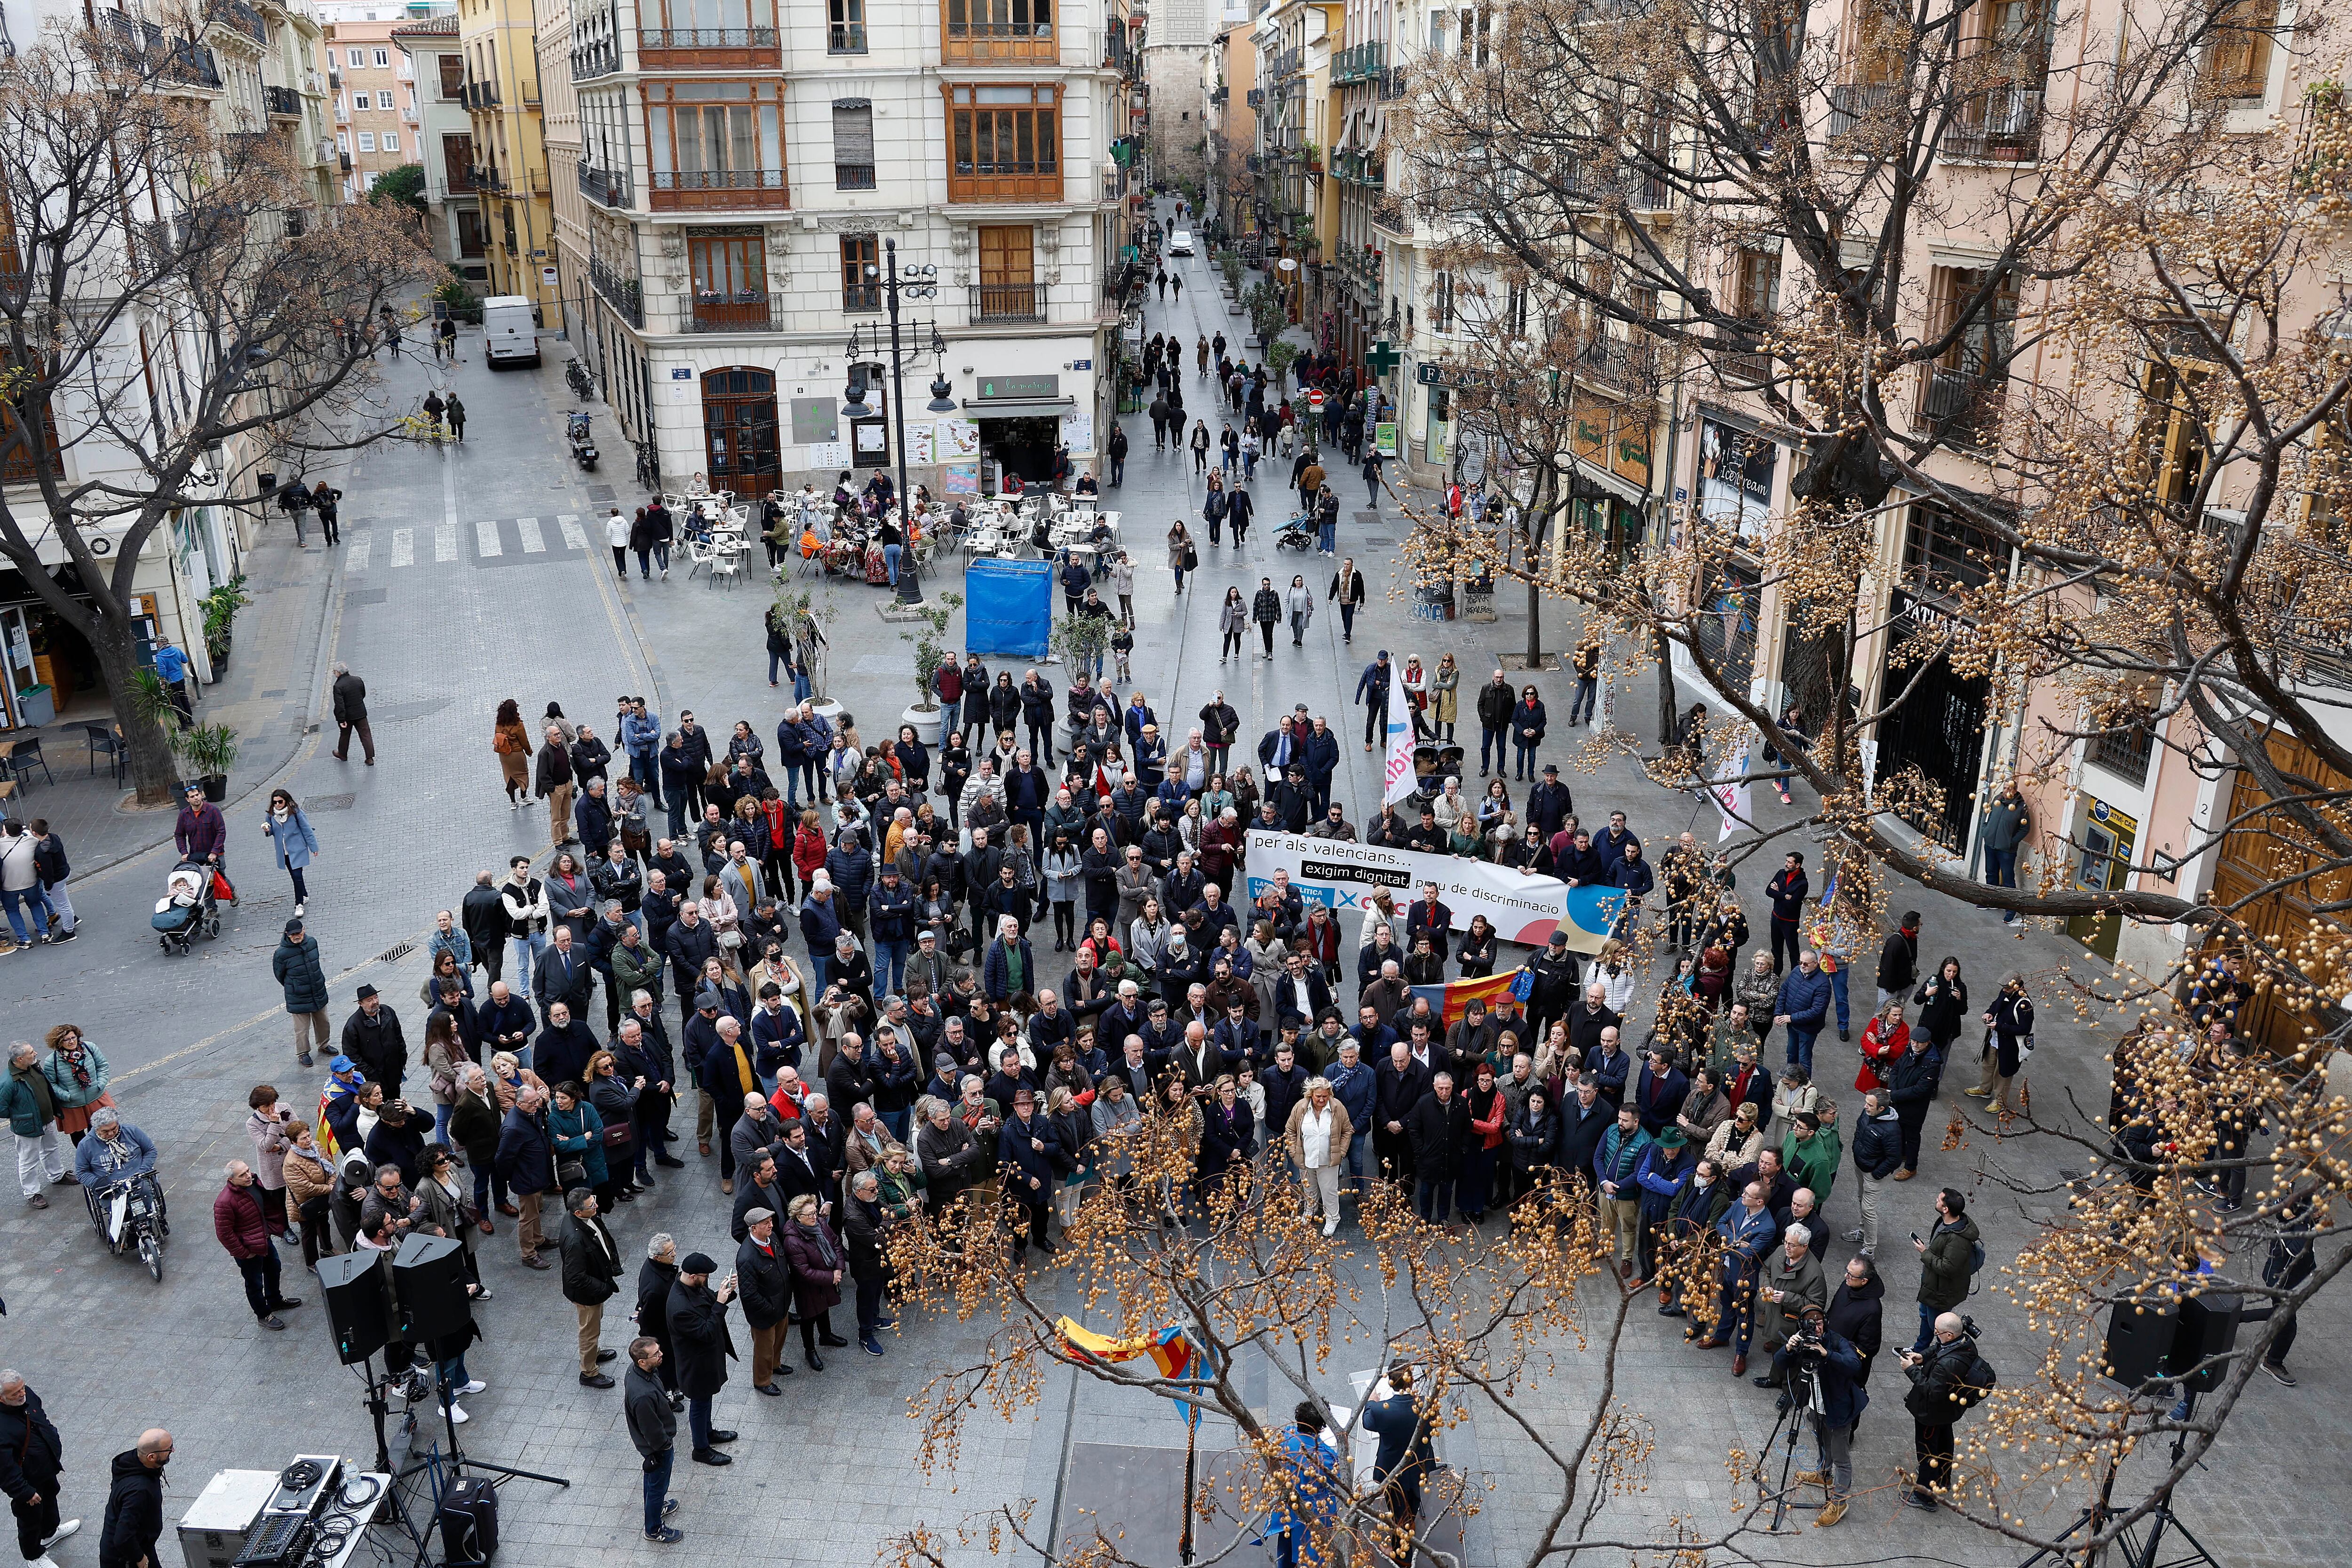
(743, 187)
(372, 87)
(445, 145)
(497, 40)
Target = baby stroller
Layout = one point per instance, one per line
(189, 907)
(1298, 534)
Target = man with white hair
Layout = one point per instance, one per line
(242, 1227)
(1010, 968)
(1792, 1280)
(32, 1462)
(31, 1112)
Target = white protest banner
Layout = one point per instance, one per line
(1521, 906)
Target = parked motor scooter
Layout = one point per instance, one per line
(583, 445)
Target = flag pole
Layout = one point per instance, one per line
(1191, 1450)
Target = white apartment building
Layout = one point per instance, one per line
(741, 173)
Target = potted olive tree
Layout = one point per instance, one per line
(933, 649)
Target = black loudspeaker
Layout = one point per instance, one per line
(469, 1520)
(356, 1304)
(2140, 1336)
(2208, 1329)
(428, 1277)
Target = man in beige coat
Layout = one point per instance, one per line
(1318, 1137)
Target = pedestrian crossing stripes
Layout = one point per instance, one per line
(492, 540)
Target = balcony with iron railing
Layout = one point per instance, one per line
(1851, 101)
(1368, 170)
(1289, 63)
(2001, 126)
(971, 43)
(1963, 407)
(853, 177)
(743, 311)
(995, 302)
(480, 95)
(1623, 363)
(707, 190)
(845, 39)
(709, 49)
(1359, 62)
(595, 58)
(626, 295)
(282, 103)
(238, 16)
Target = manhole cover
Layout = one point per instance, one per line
(603, 492)
(358, 596)
(280, 691)
(395, 953)
(1378, 541)
(332, 802)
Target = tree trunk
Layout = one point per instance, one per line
(1666, 703)
(152, 769)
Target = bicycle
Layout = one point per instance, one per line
(576, 375)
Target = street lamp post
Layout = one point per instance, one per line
(916, 283)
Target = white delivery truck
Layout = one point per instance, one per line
(510, 331)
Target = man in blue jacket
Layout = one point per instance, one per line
(641, 737)
(526, 1164)
(1630, 875)
(1321, 762)
(1009, 967)
(1748, 1230)
(1353, 1086)
(1802, 1007)
(820, 927)
(893, 908)
(1026, 1152)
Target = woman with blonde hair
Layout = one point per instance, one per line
(1445, 690)
(1737, 1141)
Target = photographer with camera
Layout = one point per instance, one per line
(1821, 1371)
(1947, 1379)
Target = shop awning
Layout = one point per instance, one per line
(1017, 407)
(1624, 489)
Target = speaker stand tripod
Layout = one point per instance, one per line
(2132, 1548)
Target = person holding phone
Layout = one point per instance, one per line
(697, 1327)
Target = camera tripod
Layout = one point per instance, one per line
(2142, 1544)
(1801, 1397)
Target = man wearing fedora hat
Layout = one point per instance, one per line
(765, 1277)
(372, 1039)
(1664, 1173)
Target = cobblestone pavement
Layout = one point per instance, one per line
(440, 641)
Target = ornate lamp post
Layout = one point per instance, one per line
(914, 283)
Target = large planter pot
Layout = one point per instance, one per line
(215, 787)
(926, 719)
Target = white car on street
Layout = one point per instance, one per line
(1181, 243)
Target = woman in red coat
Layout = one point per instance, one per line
(1884, 1040)
(818, 1265)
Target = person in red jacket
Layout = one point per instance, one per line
(241, 1222)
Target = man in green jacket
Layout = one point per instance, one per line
(1811, 1149)
(1946, 1262)
(32, 1116)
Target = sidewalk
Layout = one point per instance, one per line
(267, 696)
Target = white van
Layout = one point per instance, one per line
(509, 331)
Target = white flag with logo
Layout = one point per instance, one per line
(1731, 791)
(1402, 780)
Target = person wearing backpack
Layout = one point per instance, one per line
(1947, 1379)
(1948, 1260)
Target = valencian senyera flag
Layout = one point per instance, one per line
(1173, 1354)
(1451, 999)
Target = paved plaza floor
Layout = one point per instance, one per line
(470, 576)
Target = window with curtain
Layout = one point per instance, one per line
(853, 144)
(860, 288)
(716, 136)
(846, 32)
(1004, 143)
(731, 280)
